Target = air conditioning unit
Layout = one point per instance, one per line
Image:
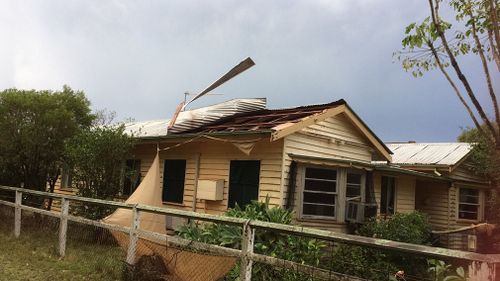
(210, 190)
(355, 212)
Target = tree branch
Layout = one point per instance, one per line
(494, 50)
(486, 71)
(494, 24)
(461, 76)
(455, 88)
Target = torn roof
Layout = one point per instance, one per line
(196, 118)
(265, 119)
(247, 116)
(429, 153)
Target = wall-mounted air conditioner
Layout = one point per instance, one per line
(210, 190)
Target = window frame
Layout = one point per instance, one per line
(362, 184)
(395, 196)
(181, 202)
(480, 204)
(336, 193)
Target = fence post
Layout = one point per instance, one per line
(482, 271)
(17, 214)
(132, 245)
(63, 226)
(247, 241)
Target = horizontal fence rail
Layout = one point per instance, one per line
(481, 264)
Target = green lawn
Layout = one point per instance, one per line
(33, 256)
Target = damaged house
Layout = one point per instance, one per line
(322, 161)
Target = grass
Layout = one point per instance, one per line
(34, 255)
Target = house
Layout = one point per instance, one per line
(322, 161)
(453, 197)
(266, 153)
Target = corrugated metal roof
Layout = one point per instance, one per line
(428, 153)
(196, 118)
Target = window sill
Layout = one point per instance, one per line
(468, 221)
(173, 204)
(317, 218)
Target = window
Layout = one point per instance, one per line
(131, 176)
(354, 186)
(174, 173)
(244, 178)
(387, 195)
(319, 197)
(468, 204)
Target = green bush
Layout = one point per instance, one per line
(376, 264)
(293, 248)
(410, 228)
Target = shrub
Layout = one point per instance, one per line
(376, 264)
(410, 228)
(293, 248)
(98, 155)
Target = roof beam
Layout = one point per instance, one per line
(285, 129)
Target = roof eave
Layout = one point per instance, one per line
(192, 135)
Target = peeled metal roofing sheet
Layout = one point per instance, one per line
(428, 153)
(196, 118)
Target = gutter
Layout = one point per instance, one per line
(390, 168)
(375, 167)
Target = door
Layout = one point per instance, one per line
(243, 182)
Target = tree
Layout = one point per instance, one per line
(97, 156)
(35, 127)
(428, 46)
(487, 165)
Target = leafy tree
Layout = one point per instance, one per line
(428, 46)
(435, 44)
(35, 127)
(97, 155)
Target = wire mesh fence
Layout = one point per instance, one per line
(51, 245)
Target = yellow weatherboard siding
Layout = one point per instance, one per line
(215, 157)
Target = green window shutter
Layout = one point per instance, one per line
(174, 174)
(243, 182)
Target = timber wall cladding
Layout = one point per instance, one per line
(335, 137)
(215, 157)
(432, 199)
(405, 192)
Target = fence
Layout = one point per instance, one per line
(253, 260)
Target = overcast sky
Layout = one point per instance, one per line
(137, 58)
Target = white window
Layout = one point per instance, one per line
(354, 185)
(469, 204)
(319, 196)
